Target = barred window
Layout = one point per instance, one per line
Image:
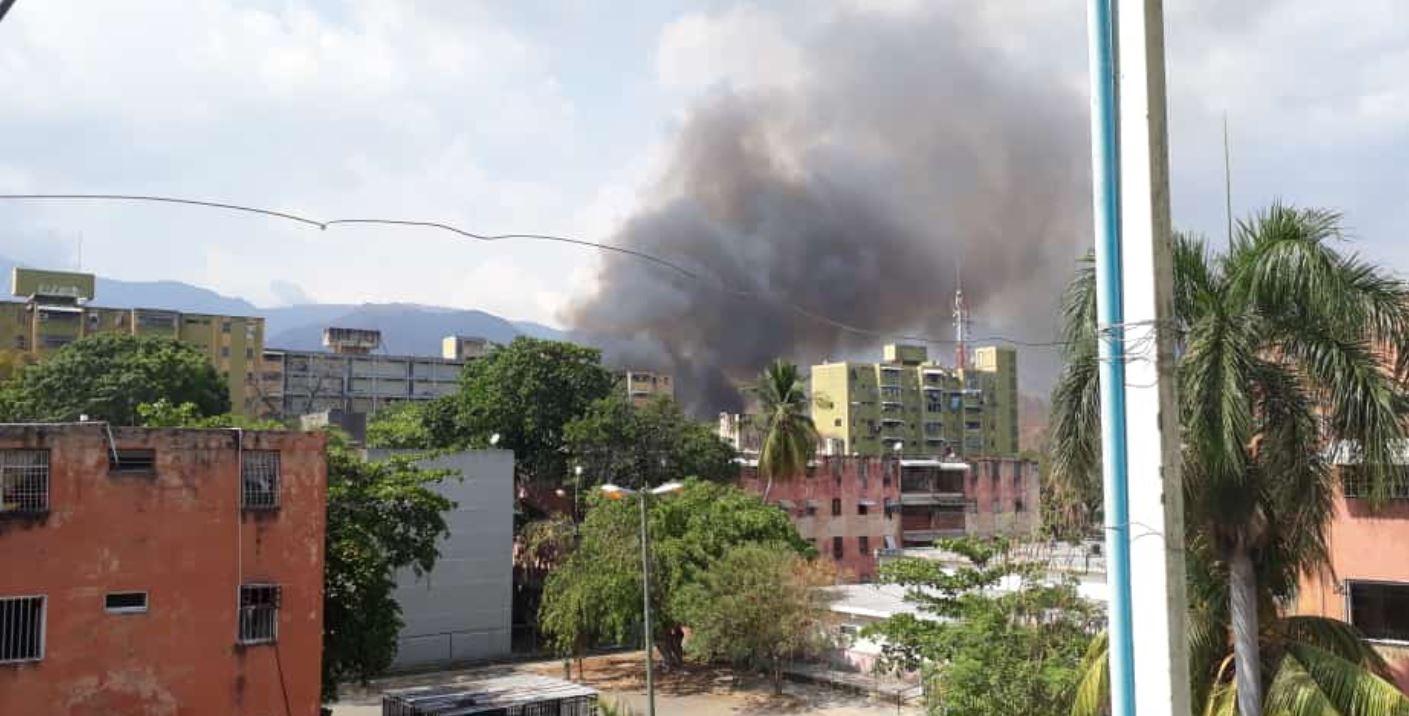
(1380, 610)
(259, 479)
(1356, 484)
(21, 629)
(24, 481)
(259, 613)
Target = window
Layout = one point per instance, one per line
(224, 326)
(125, 603)
(863, 544)
(259, 480)
(863, 469)
(55, 341)
(838, 547)
(21, 629)
(861, 509)
(24, 481)
(1357, 485)
(1380, 609)
(259, 613)
(140, 461)
(836, 506)
(811, 510)
(837, 422)
(225, 351)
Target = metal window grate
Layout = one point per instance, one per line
(259, 613)
(24, 481)
(1356, 484)
(21, 629)
(259, 480)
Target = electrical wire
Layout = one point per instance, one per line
(677, 268)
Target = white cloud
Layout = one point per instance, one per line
(743, 46)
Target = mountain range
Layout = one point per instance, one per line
(407, 328)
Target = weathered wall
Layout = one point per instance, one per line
(1366, 545)
(462, 610)
(179, 535)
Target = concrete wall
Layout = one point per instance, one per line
(1366, 545)
(176, 532)
(462, 610)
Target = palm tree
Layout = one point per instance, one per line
(789, 435)
(1280, 343)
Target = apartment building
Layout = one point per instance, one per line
(642, 386)
(350, 378)
(160, 571)
(54, 312)
(852, 507)
(1369, 586)
(907, 402)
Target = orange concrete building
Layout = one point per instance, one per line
(1370, 558)
(160, 571)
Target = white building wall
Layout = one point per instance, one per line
(462, 610)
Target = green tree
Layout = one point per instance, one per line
(526, 392)
(789, 435)
(595, 594)
(995, 636)
(412, 425)
(165, 414)
(615, 441)
(1277, 341)
(760, 607)
(382, 516)
(108, 375)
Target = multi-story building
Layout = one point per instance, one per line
(642, 387)
(464, 347)
(464, 611)
(352, 379)
(918, 406)
(54, 313)
(1369, 583)
(160, 571)
(849, 508)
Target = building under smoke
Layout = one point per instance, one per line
(910, 147)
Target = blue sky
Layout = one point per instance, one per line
(558, 117)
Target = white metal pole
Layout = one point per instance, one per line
(1156, 505)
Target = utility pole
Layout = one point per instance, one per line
(1156, 508)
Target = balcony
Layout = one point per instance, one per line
(946, 499)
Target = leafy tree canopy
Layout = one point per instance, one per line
(596, 593)
(616, 442)
(760, 607)
(107, 376)
(995, 636)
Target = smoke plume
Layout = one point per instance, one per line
(908, 148)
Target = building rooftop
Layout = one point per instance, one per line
(490, 696)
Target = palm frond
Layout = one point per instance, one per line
(1294, 693)
(1338, 637)
(1350, 688)
(1093, 692)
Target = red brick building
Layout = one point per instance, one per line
(160, 571)
(851, 507)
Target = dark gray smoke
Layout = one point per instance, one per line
(910, 147)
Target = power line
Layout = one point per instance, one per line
(710, 281)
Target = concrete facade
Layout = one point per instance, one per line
(462, 611)
(852, 508)
(642, 386)
(1370, 559)
(51, 317)
(170, 522)
(925, 408)
(297, 383)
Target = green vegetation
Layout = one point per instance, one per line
(985, 651)
(1279, 340)
(760, 608)
(525, 392)
(595, 594)
(649, 445)
(382, 516)
(107, 376)
(789, 436)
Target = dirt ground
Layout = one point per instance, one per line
(692, 691)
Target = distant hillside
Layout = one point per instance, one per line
(406, 328)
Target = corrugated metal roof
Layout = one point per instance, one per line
(488, 695)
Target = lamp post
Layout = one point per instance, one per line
(616, 492)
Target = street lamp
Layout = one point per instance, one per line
(617, 492)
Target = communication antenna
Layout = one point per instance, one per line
(961, 321)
